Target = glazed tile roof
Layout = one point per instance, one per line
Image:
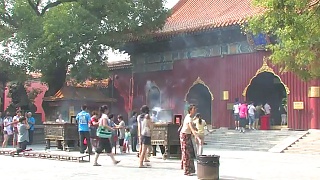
(195, 15)
(79, 94)
(124, 64)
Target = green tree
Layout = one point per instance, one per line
(296, 26)
(10, 71)
(56, 37)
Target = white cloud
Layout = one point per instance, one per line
(171, 3)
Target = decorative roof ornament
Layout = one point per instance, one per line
(198, 81)
(265, 68)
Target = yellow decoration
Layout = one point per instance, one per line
(314, 91)
(198, 81)
(225, 95)
(265, 68)
(298, 105)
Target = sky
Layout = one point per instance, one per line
(118, 56)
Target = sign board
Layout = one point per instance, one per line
(230, 106)
(225, 95)
(314, 91)
(298, 105)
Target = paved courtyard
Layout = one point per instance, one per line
(235, 165)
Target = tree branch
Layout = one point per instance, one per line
(38, 3)
(6, 18)
(54, 4)
(34, 7)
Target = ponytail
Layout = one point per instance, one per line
(199, 118)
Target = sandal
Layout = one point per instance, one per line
(96, 164)
(143, 167)
(117, 162)
(146, 160)
(189, 174)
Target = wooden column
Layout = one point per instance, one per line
(314, 100)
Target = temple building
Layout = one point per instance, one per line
(201, 56)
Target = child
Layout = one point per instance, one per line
(126, 143)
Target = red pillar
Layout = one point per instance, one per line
(314, 100)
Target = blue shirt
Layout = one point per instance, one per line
(83, 119)
(31, 122)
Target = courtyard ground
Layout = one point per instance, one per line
(234, 165)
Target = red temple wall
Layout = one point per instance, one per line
(229, 73)
(38, 100)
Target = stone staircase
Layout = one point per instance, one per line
(309, 144)
(253, 140)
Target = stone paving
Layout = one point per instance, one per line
(234, 165)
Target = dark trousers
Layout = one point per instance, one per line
(85, 135)
(22, 146)
(134, 142)
(30, 136)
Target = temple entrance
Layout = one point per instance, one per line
(200, 96)
(266, 87)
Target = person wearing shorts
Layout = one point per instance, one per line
(7, 131)
(104, 143)
(146, 126)
(236, 108)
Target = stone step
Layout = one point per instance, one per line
(302, 152)
(249, 141)
(310, 144)
(304, 148)
(303, 144)
(241, 148)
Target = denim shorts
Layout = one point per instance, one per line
(251, 119)
(236, 117)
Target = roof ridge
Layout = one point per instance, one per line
(176, 7)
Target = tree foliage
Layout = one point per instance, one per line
(296, 26)
(10, 71)
(55, 36)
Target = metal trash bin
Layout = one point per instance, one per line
(208, 167)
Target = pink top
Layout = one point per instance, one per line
(243, 111)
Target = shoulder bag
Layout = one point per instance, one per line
(102, 132)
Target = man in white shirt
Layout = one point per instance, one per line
(251, 112)
(267, 109)
(236, 108)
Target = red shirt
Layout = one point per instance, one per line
(93, 119)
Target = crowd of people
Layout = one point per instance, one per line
(101, 132)
(18, 128)
(136, 134)
(249, 113)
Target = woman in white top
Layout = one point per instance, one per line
(187, 150)
(201, 125)
(7, 132)
(146, 126)
(104, 143)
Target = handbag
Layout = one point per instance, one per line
(103, 133)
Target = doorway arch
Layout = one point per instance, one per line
(266, 86)
(200, 95)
